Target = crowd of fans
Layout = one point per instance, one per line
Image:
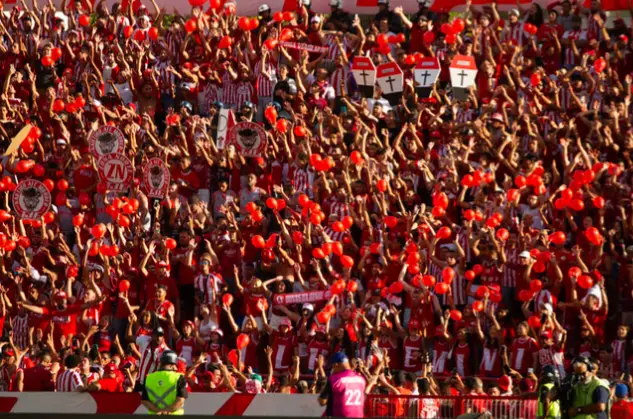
(434, 237)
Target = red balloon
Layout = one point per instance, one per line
(456, 315)
(381, 185)
(536, 285)
(271, 203)
(49, 217)
(347, 261)
(232, 357)
(441, 288)
(297, 237)
(258, 241)
(503, 234)
(78, 220)
(242, 341)
(428, 281)
(253, 23)
(98, 231)
(56, 53)
(598, 202)
(599, 65)
(139, 36)
(558, 237)
(585, 281)
(444, 233)
(352, 286)
(469, 275)
(337, 248)
(170, 243)
(62, 185)
(227, 299)
(448, 274)
(396, 287)
(446, 29)
(574, 272)
(467, 181)
(191, 26)
(127, 31)
(287, 16)
(440, 200)
(153, 33)
(84, 20)
(382, 39)
(124, 285)
(47, 61)
(318, 253)
(535, 79)
(577, 204)
(534, 322)
(593, 235)
(450, 39)
(24, 242)
(323, 317)
(520, 181)
(282, 126)
(271, 44)
(10, 245)
(428, 37)
(478, 306)
(438, 212)
(225, 42)
(458, 25)
(391, 221)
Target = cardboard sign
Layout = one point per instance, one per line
(226, 121)
(31, 199)
(391, 81)
(463, 71)
(116, 170)
(301, 297)
(248, 138)
(106, 140)
(156, 178)
(425, 74)
(364, 72)
(17, 140)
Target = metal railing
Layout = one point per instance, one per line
(449, 407)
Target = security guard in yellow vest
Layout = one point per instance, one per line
(165, 390)
(590, 396)
(548, 402)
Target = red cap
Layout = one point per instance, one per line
(110, 368)
(386, 324)
(189, 323)
(504, 382)
(61, 295)
(546, 334)
(414, 324)
(162, 264)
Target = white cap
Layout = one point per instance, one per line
(383, 1)
(218, 331)
(305, 2)
(335, 3)
(307, 306)
(515, 12)
(525, 254)
(263, 8)
(61, 141)
(315, 19)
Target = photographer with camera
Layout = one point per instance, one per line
(590, 397)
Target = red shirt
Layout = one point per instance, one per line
(152, 283)
(110, 385)
(38, 379)
(85, 177)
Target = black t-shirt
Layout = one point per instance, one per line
(181, 389)
(326, 393)
(600, 395)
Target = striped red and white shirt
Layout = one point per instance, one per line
(509, 279)
(150, 361)
(244, 92)
(69, 380)
(165, 78)
(340, 74)
(569, 59)
(301, 182)
(265, 84)
(513, 32)
(340, 209)
(20, 326)
(205, 283)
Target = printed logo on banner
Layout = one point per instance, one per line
(117, 171)
(156, 178)
(31, 199)
(301, 297)
(248, 138)
(106, 140)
